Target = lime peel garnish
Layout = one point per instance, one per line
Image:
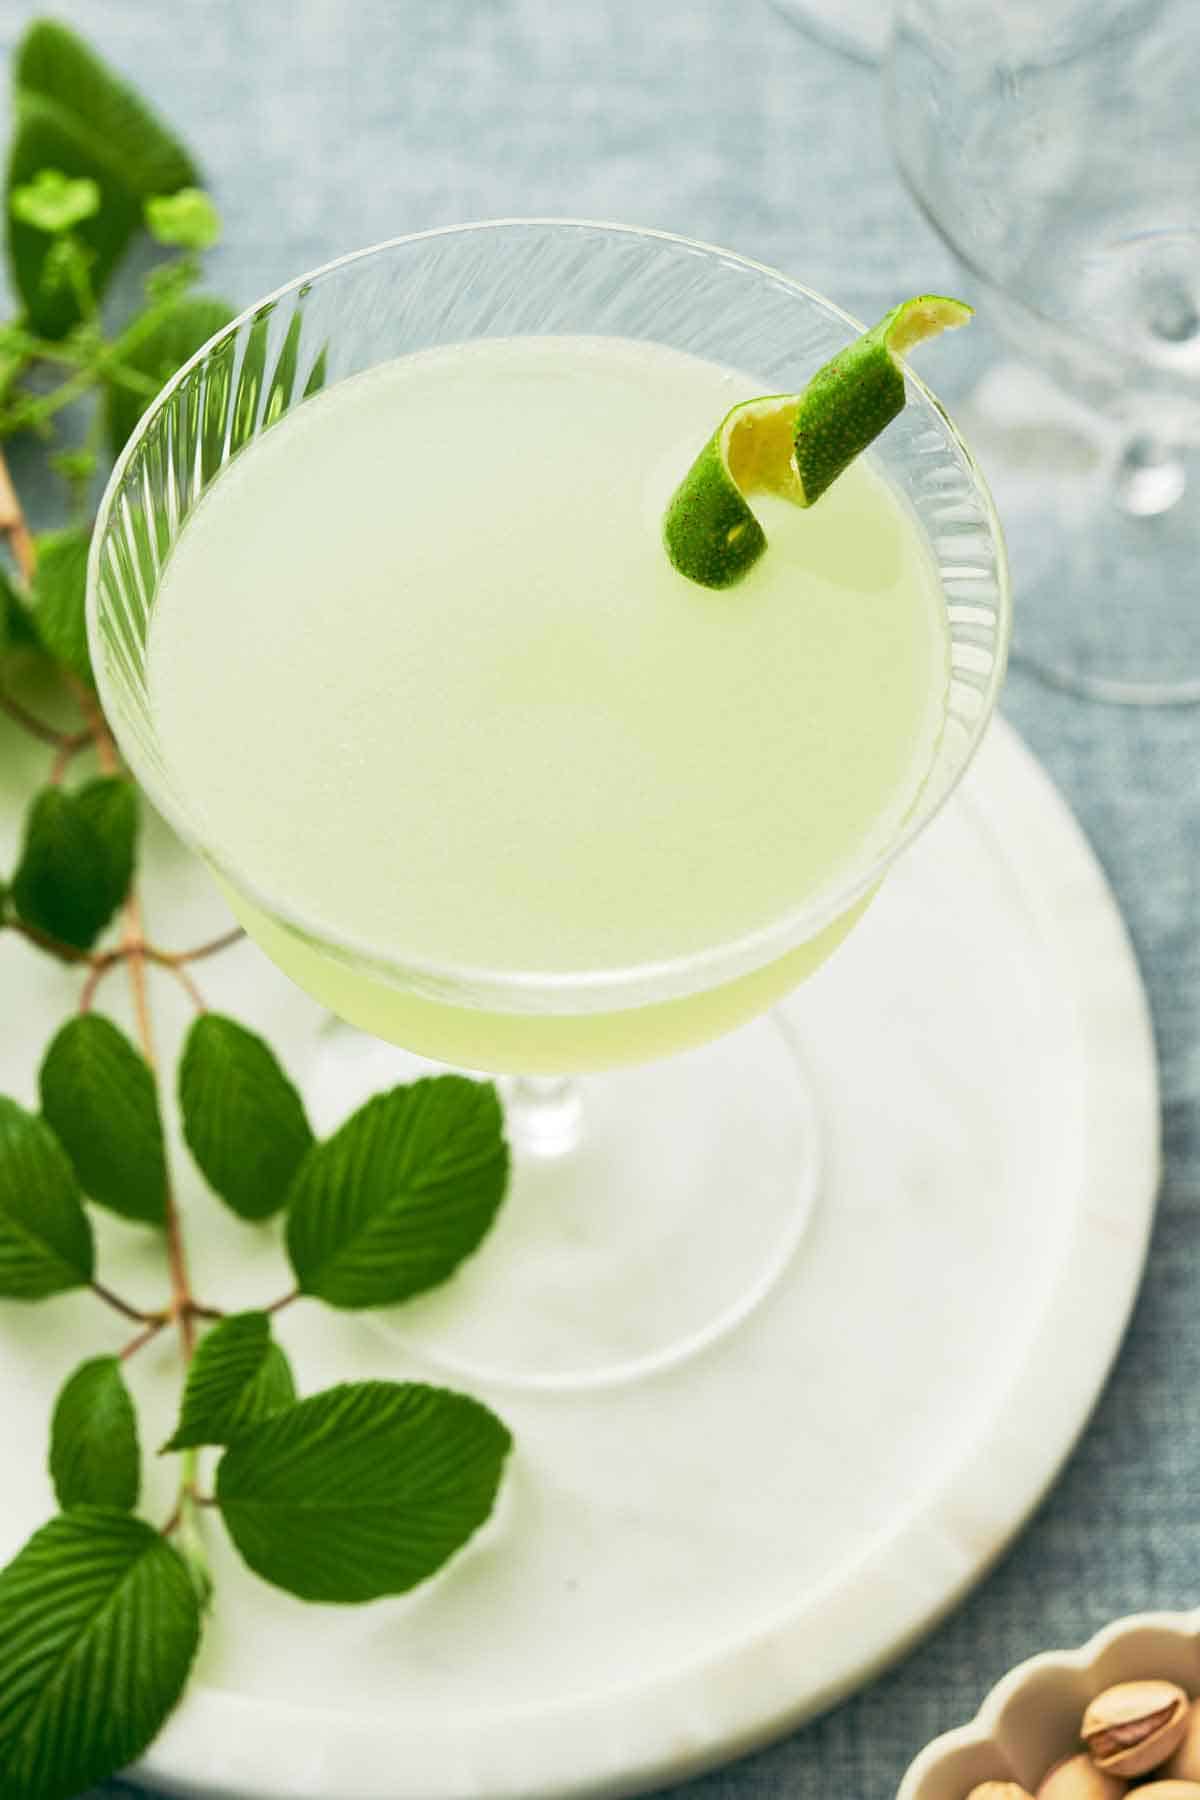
(794, 445)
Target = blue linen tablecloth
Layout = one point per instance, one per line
(328, 124)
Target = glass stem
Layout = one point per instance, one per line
(544, 1114)
(1150, 477)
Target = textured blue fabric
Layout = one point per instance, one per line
(328, 124)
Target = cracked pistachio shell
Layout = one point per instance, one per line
(999, 1790)
(1134, 1727)
(1169, 1790)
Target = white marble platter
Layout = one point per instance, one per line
(680, 1570)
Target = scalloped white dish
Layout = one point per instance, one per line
(1030, 1720)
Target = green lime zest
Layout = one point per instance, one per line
(794, 445)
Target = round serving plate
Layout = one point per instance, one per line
(681, 1568)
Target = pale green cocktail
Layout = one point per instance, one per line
(468, 713)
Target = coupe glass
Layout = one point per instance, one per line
(653, 1206)
(1054, 145)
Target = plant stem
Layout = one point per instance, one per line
(175, 966)
(284, 1300)
(122, 1306)
(226, 940)
(33, 414)
(135, 961)
(185, 1523)
(81, 285)
(133, 379)
(133, 948)
(100, 968)
(143, 1337)
(38, 728)
(69, 748)
(133, 954)
(13, 526)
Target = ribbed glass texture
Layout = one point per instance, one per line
(502, 279)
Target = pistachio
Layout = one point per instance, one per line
(999, 1790)
(1169, 1790)
(1133, 1727)
(1185, 1764)
(1078, 1778)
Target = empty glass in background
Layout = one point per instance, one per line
(1055, 144)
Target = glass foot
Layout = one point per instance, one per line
(650, 1210)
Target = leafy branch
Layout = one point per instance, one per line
(340, 1497)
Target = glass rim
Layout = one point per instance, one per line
(626, 986)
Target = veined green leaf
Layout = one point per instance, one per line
(71, 113)
(94, 1456)
(364, 1490)
(98, 1094)
(395, 1200)
(77, 859)
(243, 1120)
(99, 1624)
(59, 589)
(45, 1239)
(239, 1376)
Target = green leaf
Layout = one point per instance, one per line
(77, 859)
(45, 1239)
(395, 1200)
(59, 590)
(163, 349)
(94, 1457)
(364, 1490)
(187, 219)
(99, 1097)
(52, 202)
(73, 114)
(243, 1120)
(17, 629)
(238, 1377)
(99, 1624)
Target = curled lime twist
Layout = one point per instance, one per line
(794, 445)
